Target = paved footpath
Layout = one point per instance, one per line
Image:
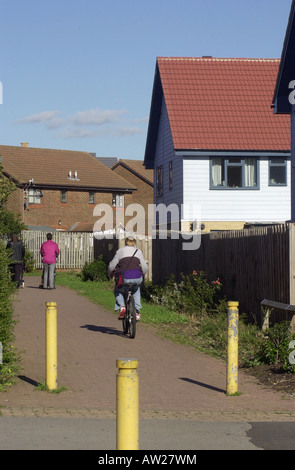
(178, 386)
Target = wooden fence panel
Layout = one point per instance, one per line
(76, 248)
(253, 264)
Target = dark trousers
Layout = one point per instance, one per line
(16, 271)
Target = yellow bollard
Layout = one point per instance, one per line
(51, 345)
(127, 404)
(232, 348)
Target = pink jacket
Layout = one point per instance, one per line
(49, 250)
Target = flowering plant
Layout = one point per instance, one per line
(194, 294)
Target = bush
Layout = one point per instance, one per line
(193, 295)
(29, 261)
(7, 288)
(95, 271)
(276, 345)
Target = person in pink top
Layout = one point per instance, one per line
(49, 252)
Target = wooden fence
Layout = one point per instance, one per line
(252, 264)
(76, 248)
(107, 247)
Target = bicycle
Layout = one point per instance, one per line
(129, 321)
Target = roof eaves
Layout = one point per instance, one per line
(237, 152)
(154, 119)
(289, 31)
(132, 170)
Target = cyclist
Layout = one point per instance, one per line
(131, 262)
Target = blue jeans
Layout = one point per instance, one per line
(120, 298)
(49, 270)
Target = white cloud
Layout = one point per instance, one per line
(122, 131)
(50, 119)
(97, 117)
(73, 132)
(86, 124)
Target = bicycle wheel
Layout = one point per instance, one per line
(125, 323)
(132, 317)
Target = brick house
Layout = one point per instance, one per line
(59, 188)
(143, 179)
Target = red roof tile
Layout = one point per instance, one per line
(51, 167)
(223, 104)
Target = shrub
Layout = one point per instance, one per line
(29, 261)
(276, 345)
(7, 288)
(95, 271)
(193, 295)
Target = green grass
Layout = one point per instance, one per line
(206, 332)
(102, 293)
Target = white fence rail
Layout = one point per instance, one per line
(76, 248)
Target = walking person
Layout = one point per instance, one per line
(130, 261)
(49, 252)
(17, 259)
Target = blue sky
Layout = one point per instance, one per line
(78, 74)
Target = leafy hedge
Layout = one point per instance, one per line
(9, 224)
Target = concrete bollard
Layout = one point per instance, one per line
(127, 405)
(51, 345)
(232, 348)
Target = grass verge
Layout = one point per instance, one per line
(206, 333)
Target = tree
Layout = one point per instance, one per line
(9, 224)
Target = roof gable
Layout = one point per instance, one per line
(137, 167)
(48, 167)
(217, 104)
(286, 72)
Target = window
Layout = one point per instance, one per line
(277, 172)
(35, 196)
(170, 175)
(118, 200)
(234, 173)
(159, 181)
(91, 198)
(63, 195)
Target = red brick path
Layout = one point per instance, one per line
(174, 380)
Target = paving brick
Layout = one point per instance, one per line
(174, 380)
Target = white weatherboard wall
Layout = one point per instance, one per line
(267, 204)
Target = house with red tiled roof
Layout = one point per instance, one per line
(216, 147)
(59, 188)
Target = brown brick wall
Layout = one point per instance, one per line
(61, 215)
(53, 212)
(56, 214)
(143, 195)
(15, 202)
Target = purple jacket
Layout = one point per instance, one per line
(49, 251)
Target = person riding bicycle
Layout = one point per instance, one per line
(131, 262)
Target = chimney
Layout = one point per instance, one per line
(24, 144)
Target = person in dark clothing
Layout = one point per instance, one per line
(17, 259)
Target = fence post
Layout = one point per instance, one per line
(51, 345)
(232, 348)
(127, 404)
(1, 354)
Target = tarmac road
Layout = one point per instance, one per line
(183, 405)
(24, 433)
